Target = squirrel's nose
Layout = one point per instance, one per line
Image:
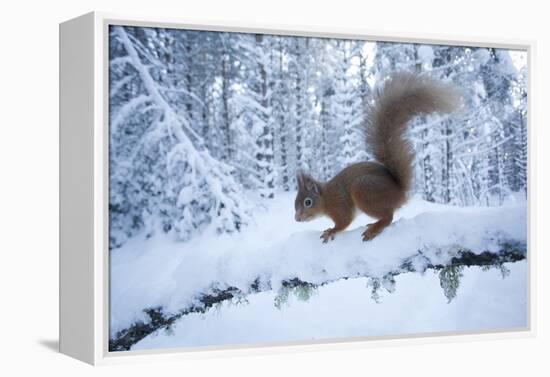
(297, 217)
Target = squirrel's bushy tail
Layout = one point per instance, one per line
(403, 96)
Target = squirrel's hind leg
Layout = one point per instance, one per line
(376, 196)
(376, 228)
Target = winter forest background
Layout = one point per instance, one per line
(201, 122)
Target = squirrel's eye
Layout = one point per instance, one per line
(308, 202)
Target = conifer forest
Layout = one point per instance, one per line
(203, 122)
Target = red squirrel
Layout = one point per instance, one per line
(380, 187)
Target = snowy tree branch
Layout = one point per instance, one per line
(509, 251)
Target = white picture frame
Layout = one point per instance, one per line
(84, 293)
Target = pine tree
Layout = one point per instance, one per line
(167, 174)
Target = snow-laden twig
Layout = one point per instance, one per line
(117, 86)
(127, 109)
(485, 150)
(183, 91)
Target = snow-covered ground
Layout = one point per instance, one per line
(161, 272)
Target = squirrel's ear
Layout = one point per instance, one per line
(313, 186)
(300, 179)
(307, 182)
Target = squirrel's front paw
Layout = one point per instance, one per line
(328, 235)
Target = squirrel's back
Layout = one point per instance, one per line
(403, 96)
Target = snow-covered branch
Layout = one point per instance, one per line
(158, 319)
(437, 240)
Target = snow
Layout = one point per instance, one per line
(506, 64)
(160, 271)
(345, 309)
(519, 59)
(481, 56)
(426, 55)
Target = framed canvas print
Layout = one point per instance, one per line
(228, 188)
